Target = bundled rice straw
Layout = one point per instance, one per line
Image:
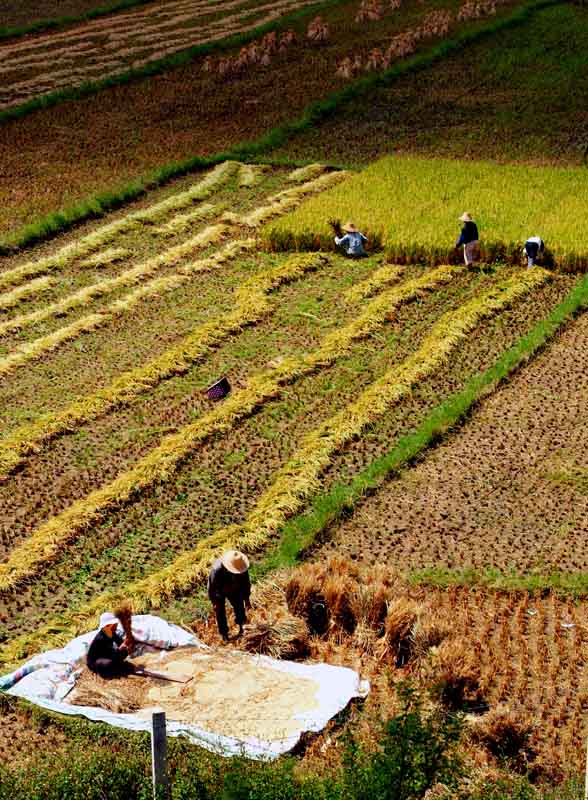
(455, 674)
(399, 627)
(280, 636)
(119, 695)
(124, 612)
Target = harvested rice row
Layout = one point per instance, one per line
(10, 299)
(109, 256)
(208, 236)
(380, 277)
(299, 478)
(306, 173)
(290, 198)
(132, 384)
(106, 233)
(184, 220)
(296, 480)
(250, 174)
(159, 465)
(30, 351)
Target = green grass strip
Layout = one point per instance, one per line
(159, 65)
(62, 22)
(302, 531)
(100, 204)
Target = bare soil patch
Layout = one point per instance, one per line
(508, 491)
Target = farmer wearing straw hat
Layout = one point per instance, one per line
(229, 580)
(108, 652)
(534, 246)
(469, 239)
(349, 237)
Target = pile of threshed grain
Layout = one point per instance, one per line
(230, 694)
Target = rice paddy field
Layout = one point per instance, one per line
(412, 207)
(404, 441)
(57, 156)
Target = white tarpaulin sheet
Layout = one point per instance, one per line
(49, 677)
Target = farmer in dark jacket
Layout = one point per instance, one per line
(469, 239)
(108, 652)
(229, 580)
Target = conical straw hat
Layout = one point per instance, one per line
(235, 562)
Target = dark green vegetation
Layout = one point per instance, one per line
(521, 95)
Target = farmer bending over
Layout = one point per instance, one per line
(534, 246)
(469, 239)
(349, 237)
(108, 652)
(229, 580)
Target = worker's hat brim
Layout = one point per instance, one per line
(235, 562)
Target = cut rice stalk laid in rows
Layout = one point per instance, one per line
(161, 464)
(31, 351)
(295, 482)
(106, 233)
(208, 236)
(26, 292)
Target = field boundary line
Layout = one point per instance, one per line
(100, 204)
(160, 65)
(89, 243)
(55, 23)
(164, 460)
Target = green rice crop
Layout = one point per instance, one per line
(411, 207)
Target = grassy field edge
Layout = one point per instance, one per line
(100, 204)
(301, 532)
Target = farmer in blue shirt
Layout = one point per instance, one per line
(469, 239)
(350, 238)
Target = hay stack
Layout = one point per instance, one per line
(506, 733)
(306, 600)
(399, 626)
(279, 636)
(455, 675)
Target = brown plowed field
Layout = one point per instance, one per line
(115, 43)
(61, 155)
(510, 490)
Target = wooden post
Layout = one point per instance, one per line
(158, 755)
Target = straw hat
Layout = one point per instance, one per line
(349, 227)
(107, 619)
(466, 217)
(235, 562)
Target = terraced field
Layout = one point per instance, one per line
(113, 44)
(110, 452)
